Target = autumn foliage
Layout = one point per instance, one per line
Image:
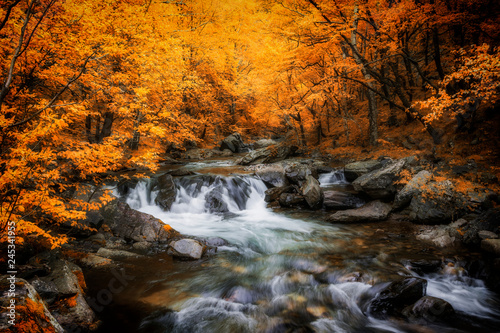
(90, 87)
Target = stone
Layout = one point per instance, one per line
(491, 245)
(92, 261)
(430, 309)
(181, 172)
(485, 234)
(291, 200)
(262, 143)
(379, 184)
(371, 212)
(129, 224)
(272, 175)
(312, 192)
(437, 205)
(215, 202)
(337, 200)
(404, 196)
(167, 191)
(30, 309)
(392, 298)
(269, 154)
(274, 193)
(488, 220)
(187, 249)
(357, 169)
(234, 143)
(142, 246)
(297, 173)
(110, 253)
(440, 236)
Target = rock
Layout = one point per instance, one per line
(485, 234)
(312, 192)
(142, 246)
(337, 200)
(404, 196)
(70, 307)
(188, 249)
(92, 261)
(269, 154)
(274, 193)
(357, 169)
(215, 242)
(297, 173)
(291, 200)
(272, 175)
(440, 236)
(379, 184)
(214, 201)
(46, 289)
(167, 191)
(130, 224)
(30, 311)
(430, 309)
(262, 143)
(491, 245)
(181, 172)
(489, 220)
(392, 298)
(234, 143)
(109, 253)
(371, 212)
(436, 205)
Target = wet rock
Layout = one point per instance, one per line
(167, 193)
(46, 289)
(423, 266)
(274, 193)
(142, 246)
(30, 310)
(187, 249)
(181, 172)
(93, 261)
(215, 242)
(404, 196)
(379, 184)
(358, 169)
(312, 192)
(489, 220)
(291, 200)
(214, 201)
(108, 253)
(485, 234)
(297, 173)
(371, 212)
(269, 154)
(430, 309)
(130, 224)
(437, 205)
(392, 298)
(440, 236)
(337, 200)
(272, 175)
(491, 245)
(262, 143)
(234, 143)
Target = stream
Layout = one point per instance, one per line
(281, 270)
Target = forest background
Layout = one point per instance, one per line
(92, 87)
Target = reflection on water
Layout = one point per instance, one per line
(286, 273)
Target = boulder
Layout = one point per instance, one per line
(489, 221)
(291, 200)
(440, 236)
(298, 173)
(181, 172)
(485, 234)
(30, 310)
(214, 201)
(93, 261)
(262, 143)
(371, 212)
(404, 196)
(491, 245)
(274, 193)
(438, 204)
(392, 298)
(379, 184)
(234, 143)
(337, 200)
(167, 191)
(358, 169)
(112, 253)
(127, 223)
(312, 192)
(430, 309)
(186, 249)
(272, 175)
(269, 154)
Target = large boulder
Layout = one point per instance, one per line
(312, 192)
(130, 224)
(392, 298)
(358, 169)
(274, 193)
(262, 143)
(297, 173)
(379, 184)
(371, 212)
(234, 143)
(291, 200)
(29, 310)
(269, 154)
(489, 221)
(429, 309)
(338, 200)
(414, 186)
(272, 175)
(167, 191)
(187, 249)
(436, 204)
(215, 202)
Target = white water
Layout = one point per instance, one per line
(268, 268)
(335, 177)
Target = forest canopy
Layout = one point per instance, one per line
(90, 87)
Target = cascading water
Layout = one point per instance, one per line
(282, 273)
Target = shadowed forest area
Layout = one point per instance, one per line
(93, 90)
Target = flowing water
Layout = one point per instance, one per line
(283, 271)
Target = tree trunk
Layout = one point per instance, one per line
(437, 53)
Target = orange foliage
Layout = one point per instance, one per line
(32, 318)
